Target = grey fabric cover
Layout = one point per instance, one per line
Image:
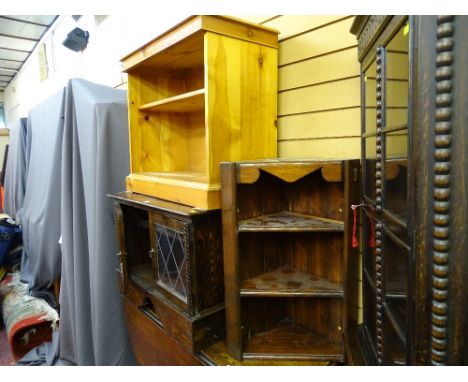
(16, 170)
(40, 216)
(95, 162)
(43, 355)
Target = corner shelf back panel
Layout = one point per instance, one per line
(317, 254)
(292, 327)
(311, 195)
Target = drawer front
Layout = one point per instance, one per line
(160, 313)
(151, 344)
(190, 334)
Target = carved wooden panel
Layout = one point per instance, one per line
(373, 25)
(209, 262)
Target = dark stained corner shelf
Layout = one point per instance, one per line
(286, 221)
(288, 260)
(287, 282)
(293, 342)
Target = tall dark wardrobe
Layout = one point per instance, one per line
(414, 97)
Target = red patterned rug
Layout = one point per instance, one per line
(29, 321)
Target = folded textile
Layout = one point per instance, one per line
(29, 321)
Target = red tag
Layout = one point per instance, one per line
(354, 241)
(372, 236)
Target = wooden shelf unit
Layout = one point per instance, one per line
(287, 253)
(286, 221)
(289, 282)
(301, 344)
(171, 277)
(183, 103)
(201, 93)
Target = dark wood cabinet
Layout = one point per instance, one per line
(287, 229)
(171, 275)
(414, 117)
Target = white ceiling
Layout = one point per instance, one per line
(19, 35)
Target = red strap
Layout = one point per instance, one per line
(372, 236)
(354, 242)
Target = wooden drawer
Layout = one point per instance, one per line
(190, 332)
(151, 344)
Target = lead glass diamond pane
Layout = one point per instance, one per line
(172, 264)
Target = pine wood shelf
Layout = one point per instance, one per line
(183, 103)
(188, 176)
(197, 96)
(293, 342)
(287, 282)
(286, 221)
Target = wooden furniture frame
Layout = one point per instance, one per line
(171, 277)
(415, 273)
(287, 252)
(201, 93)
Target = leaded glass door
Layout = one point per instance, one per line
(170, 247)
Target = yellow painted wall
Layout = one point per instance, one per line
(318, 86)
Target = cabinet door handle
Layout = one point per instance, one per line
(147, 309)
(151, 253)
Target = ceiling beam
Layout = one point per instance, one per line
(8, 69)
(7, 59)
(24, 21)
(19, 37)
(15, 50)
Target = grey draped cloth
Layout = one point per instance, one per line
(16, 171)
(95, 161)
(40, 215)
